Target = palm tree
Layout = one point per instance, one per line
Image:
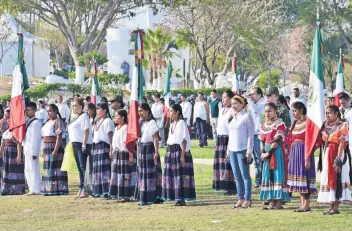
(157, 48)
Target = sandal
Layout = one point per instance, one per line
(303, 210)
(332, 212)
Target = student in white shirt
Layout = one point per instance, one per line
(241, 133)
(31, 149)
(123, 164)
(158, 111)
(296, 97)
(178, 161)
(80, 133)
(256, 109)
(40, 114)
(186, 109)
(201, 118)
(150, 176)
(223, 178)
(102, 152)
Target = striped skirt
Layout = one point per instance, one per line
(273, 185)
(12, 177)
(150, 175)
(123, 176)
(300, 179)
(223, 178)
(178, 181)
(54, 181)
(101, 169)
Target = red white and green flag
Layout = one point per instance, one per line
(95, 94)
(339, 81)
(133, 132)
(315, 104)
(235, 80)
(19, 85)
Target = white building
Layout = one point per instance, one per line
(119, 45)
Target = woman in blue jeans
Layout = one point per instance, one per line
(241, 134)
(80, 133)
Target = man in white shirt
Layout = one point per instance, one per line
(157, 110)
(186, 109)
(296, 97)
(41, 114)
(31, 149)
(256, 109)
(201, 118)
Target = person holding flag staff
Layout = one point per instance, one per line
(150, 174)
(334, 177)
(178, 179)
(54, 181)
(223, 178)
(123, 164)
(102, 152)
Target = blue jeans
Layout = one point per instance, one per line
(257, 161)
(202, 132)
(242, 175)
(81, 160)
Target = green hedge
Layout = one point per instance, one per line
(43, 90)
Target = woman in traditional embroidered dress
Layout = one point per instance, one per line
(334, 183)
(102, 152)
(178, 179)
(54, 181)
(12, 177)
(301, 169)
(241, 136)
(123, 166)
(223, 178)
(274, 170)
(150, 174)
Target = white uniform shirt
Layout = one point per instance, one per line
(119, 139)
(186, 111)
(157, 110)
(256, 110)
(200, 111)
(33, 138)
(77, 128)
(48, 128)
(148, 129)
(41, 115)
(348, 117)
(299, 99)
(241, 132)
(101, 130)
(64, 111)
(177, 133)
(223, 122)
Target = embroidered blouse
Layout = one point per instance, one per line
(271, 130)
(299, 131)
(334, 133)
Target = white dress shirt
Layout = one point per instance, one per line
(178, 132)
(64, 111)
(299, 99)
(256, 110)
(223, 121)
(200, 111)
(119, 139)
(187, 111)
(33, 138)
(157, 110)
(241, 132)
(101, 130)
(77, 128)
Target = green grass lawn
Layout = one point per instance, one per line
(200, 153)
(211, 211)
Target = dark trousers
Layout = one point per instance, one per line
(202, 132)
(81, 160)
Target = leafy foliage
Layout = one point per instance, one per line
(88, 57)
(263, 79)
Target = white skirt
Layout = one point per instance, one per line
(327, 195)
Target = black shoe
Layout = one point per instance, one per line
(229, 193)
(105, 198)
(158, 201)
(266, 203)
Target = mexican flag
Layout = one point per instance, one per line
(339, 81)
(95, 94)
(235, 80)
(167, 93)
(315, 104)
(19, 85)
(133, 132)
